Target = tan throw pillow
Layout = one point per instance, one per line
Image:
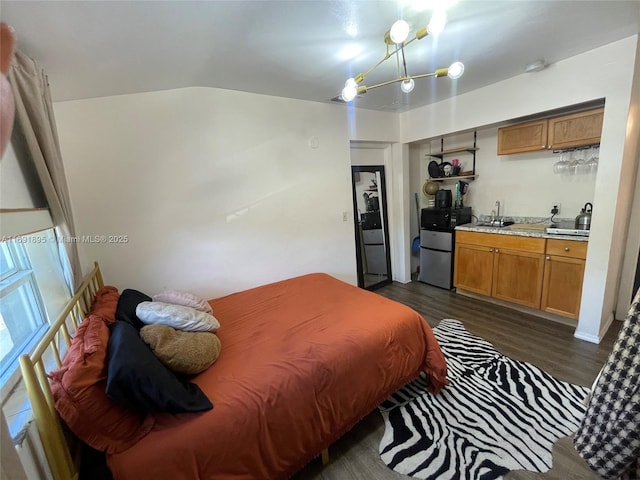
(180, 351)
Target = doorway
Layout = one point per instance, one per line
(371, 226)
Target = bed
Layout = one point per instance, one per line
(302, 361)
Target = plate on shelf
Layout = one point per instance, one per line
(434, 169)
(446, 169)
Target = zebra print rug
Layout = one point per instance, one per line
(496, 415)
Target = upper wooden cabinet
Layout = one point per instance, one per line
(575, 130)
(567, 131)
(524, 137)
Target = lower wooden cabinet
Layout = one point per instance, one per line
(534, 272)
(563, 275)
(473, 268)
(507, 267)
(517, 276)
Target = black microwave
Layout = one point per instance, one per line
(444, 218)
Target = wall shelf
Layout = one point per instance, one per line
(454, 151)
(459, 177)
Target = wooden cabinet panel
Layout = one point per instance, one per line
(473, 268)
(575, 130)
(567, 248)
(496, 240)
(509, 267)
(562, 285)
(517, 277)
(523, 137)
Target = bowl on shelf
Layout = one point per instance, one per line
(434, 169)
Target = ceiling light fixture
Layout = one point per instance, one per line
(396, 41)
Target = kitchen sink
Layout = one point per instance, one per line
(494, 225)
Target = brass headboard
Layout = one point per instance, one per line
(63, 464)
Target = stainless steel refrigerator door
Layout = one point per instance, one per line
(373, 237)
(376, 259)
(436, 240)
(435, 268)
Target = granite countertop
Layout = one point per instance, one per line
(521, 229)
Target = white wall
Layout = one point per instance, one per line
(14, 187)
(372, 126)
(217, 190)
(606, 72)
(629, 198)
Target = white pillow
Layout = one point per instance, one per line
(185, 299)
(176, 316)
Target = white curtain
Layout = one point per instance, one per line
(35, 121)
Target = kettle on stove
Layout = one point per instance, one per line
(583, 220)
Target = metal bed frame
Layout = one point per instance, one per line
(62, 452)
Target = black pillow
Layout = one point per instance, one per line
(127, 303)
(137, 379)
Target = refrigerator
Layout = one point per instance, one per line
(374, 251)
(436, 258)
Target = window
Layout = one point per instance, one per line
(32, 293)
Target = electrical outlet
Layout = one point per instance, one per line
(555, 209)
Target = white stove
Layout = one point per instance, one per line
(567, 231)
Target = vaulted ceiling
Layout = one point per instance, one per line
(299, 49)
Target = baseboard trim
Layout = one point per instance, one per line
(588, 338)
(603, 331)
(519, 308)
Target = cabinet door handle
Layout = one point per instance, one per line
(566, 249)
(497, 251)
(491, 250)
(548, 258)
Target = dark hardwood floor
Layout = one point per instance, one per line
(544, 343)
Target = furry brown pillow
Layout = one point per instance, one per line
(180, 351)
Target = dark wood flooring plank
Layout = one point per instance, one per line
(567, 465)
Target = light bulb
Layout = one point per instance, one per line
(351, 82)
(437, 22)
(399, 31)
(351, 28)
(456, 69)
(350, 91)
(407, 85)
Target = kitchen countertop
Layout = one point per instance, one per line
(523, 231)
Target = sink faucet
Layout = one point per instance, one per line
(495, 214)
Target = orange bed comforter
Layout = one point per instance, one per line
(303, 360)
